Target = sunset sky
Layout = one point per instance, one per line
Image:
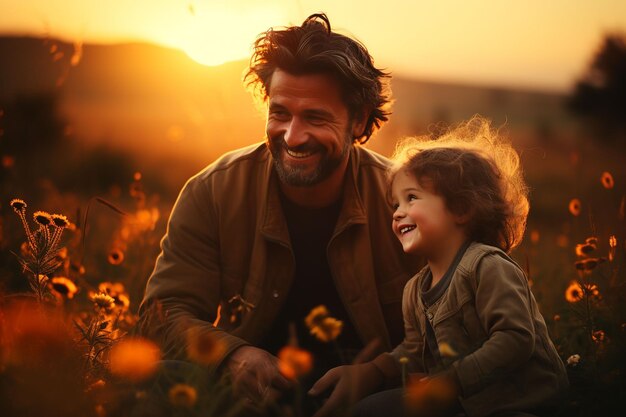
(531, 44)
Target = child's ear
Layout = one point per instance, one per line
(465, 217)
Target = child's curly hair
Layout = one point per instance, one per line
(478, 174)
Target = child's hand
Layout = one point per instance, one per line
(351, 383)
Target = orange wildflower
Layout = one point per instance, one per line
(575, 207)
(574, 292)
(607, 180)
(134, 359)
(598, 336)
(116, 257)
(612, 246)
(583, 249)
(64, 287)
(588, 264)
(294, 362)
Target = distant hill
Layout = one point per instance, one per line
(158, 102)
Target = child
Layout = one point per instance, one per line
(473, 330)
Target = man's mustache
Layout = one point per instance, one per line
(278, 142)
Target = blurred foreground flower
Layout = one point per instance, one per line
(32, 336)
(294, 362)
(183, 395)
(322, 325)
(40, 364)
(134, 359)
(446, 351)
(204, 347)
(431, 396)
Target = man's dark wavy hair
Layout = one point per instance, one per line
(314, 48)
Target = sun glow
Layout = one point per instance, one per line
(213, 35)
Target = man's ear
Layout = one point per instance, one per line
(358, 124)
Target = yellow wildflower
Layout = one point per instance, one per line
(322, 325)
(63, 286)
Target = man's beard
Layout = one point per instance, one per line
(298, 177)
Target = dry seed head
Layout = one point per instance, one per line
(18, 205)
(60, 220)
(42, 218)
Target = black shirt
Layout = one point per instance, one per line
(430, 296)
(310, 231)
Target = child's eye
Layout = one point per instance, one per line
(412, 197)
(395, 206)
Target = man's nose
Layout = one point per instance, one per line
(295, 134)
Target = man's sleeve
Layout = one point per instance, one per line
(183, 292)
(503, 307)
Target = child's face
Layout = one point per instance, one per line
(421, 220)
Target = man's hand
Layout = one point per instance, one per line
(255, 374)
(351, 383)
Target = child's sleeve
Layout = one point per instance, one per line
(504, 310)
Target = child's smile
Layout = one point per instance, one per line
(421, 221)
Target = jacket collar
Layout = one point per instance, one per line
(273, 224)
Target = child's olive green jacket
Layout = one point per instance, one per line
(490, 334)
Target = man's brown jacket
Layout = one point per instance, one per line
(227, 244)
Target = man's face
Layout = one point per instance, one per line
(309, 131)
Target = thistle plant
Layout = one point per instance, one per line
(96, 334)
(40, 259)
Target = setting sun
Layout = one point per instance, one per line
(212, 35)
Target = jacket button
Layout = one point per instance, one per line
(275, 293)
(430, 316)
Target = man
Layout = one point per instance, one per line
(268, 232)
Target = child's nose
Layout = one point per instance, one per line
(398, 214)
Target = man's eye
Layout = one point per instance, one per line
(316, 120)
(279, 114)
